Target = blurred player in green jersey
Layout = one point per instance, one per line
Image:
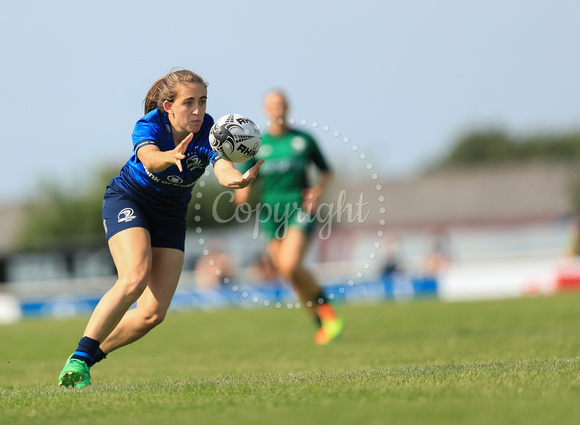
(288, 206)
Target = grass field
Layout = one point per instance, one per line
(423, 362)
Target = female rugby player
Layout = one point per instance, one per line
(144, 213)
(291, 204)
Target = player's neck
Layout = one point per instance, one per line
(178, 137)
(278, 129)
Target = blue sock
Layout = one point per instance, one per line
(86, 350)
(99, 355)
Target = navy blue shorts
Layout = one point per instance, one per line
(165, 225)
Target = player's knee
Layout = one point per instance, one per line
(133, 286)
(287, 271)
(153, 319)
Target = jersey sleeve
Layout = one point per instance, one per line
(214, 158)
(317, 157)
(146, 132)
(208, 122)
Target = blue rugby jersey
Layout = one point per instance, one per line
(170, 185)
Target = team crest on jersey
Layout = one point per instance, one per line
(298, 144)
(126, 215)
(175, 179)
(193, 162)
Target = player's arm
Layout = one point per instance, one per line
(156, 160)
(241, 196)
(228, 176)
(313, 193)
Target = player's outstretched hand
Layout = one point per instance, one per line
(179, 152)
(247, 178)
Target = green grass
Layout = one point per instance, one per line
(424, 362)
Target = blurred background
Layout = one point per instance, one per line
(453, 129)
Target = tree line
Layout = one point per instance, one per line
(493, 146)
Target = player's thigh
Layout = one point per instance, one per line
(131, 252)
(292, 248)
(165, 273)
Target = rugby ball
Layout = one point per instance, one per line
(235, 138)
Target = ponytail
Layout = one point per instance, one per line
(150, 101)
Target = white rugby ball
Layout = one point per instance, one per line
(235, 138)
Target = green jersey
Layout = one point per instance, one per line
(284, 174)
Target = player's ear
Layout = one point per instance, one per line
(167, 106)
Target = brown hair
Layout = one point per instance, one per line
(166, 88)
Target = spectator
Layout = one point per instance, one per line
(438, 254)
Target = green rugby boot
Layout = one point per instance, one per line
(75, 373)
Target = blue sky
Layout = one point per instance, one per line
(401, 79)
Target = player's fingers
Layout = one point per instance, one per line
(184, 143)
(178, 157)
(258, 165)
(241, 183)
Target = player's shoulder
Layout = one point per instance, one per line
(293, 131)
(152, 116)
(302, 138)
(151, 121)
(149, 125)
(296, 132)
(290, 134)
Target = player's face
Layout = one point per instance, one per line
(186, 112)
(275, 107)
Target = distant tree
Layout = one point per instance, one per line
(479, 147)
(488, 147)
(496, 146)
(61, 216)
(547, 146)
